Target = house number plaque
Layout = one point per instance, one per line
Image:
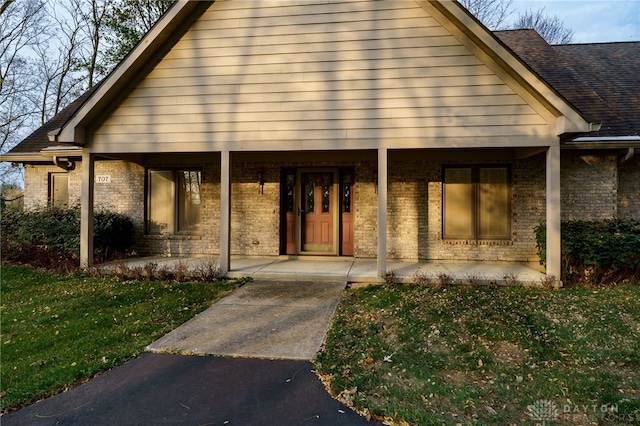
(103, 178)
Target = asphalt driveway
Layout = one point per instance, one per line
(194, 390)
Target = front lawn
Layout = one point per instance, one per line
(59, 330)
(487, 355)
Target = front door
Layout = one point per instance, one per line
(318, 212)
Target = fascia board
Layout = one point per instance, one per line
(502, 61)
(58, 151)
(26, 157)
(129, 71)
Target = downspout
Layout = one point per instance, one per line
(627, 156)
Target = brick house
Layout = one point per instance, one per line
(390, 129)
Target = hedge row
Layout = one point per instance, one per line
(50, 237)
(595, 252)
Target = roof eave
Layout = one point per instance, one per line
(604, 142)
(26, 157)
(47, 155)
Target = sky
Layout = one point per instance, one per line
(593, 21)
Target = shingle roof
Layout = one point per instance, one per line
(599, 79)
(613, 71)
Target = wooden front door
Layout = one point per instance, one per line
(318, 213)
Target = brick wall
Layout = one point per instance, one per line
(589, 190)
(588, 186)
(36, 185)
(629, 188)
(415, 214)
(255, 210)
(365, 220)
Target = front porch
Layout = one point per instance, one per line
(351, 270)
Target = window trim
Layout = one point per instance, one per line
(176, 199)
(475, 180)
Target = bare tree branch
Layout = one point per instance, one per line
(492, 13)
(549, 27)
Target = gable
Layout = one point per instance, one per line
(340, 75)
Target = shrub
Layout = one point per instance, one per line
(50, 237)
(112, 233)
(596, 251)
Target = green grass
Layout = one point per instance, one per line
(484, 355)
(59, 330)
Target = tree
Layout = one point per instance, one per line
(22, 26)
(549, 27)
(492, 13)
(53, 50)
(128, 21)
(58, 62)
(95, 16)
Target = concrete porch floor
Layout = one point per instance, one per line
(339, 269)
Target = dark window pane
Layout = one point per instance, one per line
(458, 203)
(310, 186)
(493, 203)
(189, 182)
(326, 187)
(160, 213)
(291, 185)
(346, 193)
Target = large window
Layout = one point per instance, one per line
(174, 203)
(476, 203)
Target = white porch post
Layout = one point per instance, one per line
(382, 211)
(554, 254)
(225, 212)
(86, 209)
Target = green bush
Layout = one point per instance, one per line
(596, 251)
(50, 236)
(112, 233)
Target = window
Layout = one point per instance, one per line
(174, 203)
(476, 203)
(59, 190)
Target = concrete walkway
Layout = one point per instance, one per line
(262, 319)
(345, 269)
(285, 312)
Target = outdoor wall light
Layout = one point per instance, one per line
(260, 176)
